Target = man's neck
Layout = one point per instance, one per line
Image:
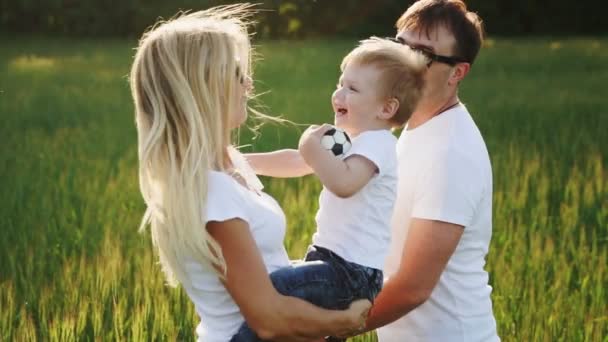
(431, 110)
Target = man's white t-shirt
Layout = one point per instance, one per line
(357, 228)
(227, 199)
(445, 174)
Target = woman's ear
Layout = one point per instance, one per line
(389, 108)
(459, 72)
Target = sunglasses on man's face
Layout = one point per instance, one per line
(432, 57)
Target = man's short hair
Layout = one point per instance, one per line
(466, 26)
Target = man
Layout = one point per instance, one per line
(437, 289)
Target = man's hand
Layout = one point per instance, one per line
(358, 310)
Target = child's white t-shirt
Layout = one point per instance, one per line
(227, 199)
(357, 228)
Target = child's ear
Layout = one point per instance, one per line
(389, 109)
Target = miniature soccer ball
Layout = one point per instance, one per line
(337, 141)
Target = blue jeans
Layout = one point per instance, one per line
(323, 279)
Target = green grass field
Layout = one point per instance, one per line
(73, 267)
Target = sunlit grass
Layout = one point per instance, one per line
(73, 267)
(33, 62)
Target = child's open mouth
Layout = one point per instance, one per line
(341, 112)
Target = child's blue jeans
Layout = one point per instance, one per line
(323, 279)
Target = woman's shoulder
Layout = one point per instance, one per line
(225, 197)
(223, 187)
(219, 177)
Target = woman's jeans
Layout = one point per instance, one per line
(323, 279)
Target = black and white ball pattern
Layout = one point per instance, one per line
(337, 141)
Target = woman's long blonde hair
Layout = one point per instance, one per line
(184, 80)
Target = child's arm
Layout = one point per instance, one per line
(344, 178)
(282, 164)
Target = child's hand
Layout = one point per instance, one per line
(310, 141)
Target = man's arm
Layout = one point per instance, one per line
(427, 250)
(281, 164)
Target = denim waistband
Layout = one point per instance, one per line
(360, 278)
(370, 271)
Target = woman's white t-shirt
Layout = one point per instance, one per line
(227, 199)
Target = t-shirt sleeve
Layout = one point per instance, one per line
(377, 147)
(449, 190)
(225, 201)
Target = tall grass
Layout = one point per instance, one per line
(73, 267)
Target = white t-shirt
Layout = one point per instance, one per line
(227, 199)
(445, 174)
(358, 227)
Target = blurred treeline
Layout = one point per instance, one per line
(295, 18)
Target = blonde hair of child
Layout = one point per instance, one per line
(401, 73)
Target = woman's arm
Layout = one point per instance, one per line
(271, 315)
(282, 164)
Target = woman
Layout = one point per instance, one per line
(216, 232)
